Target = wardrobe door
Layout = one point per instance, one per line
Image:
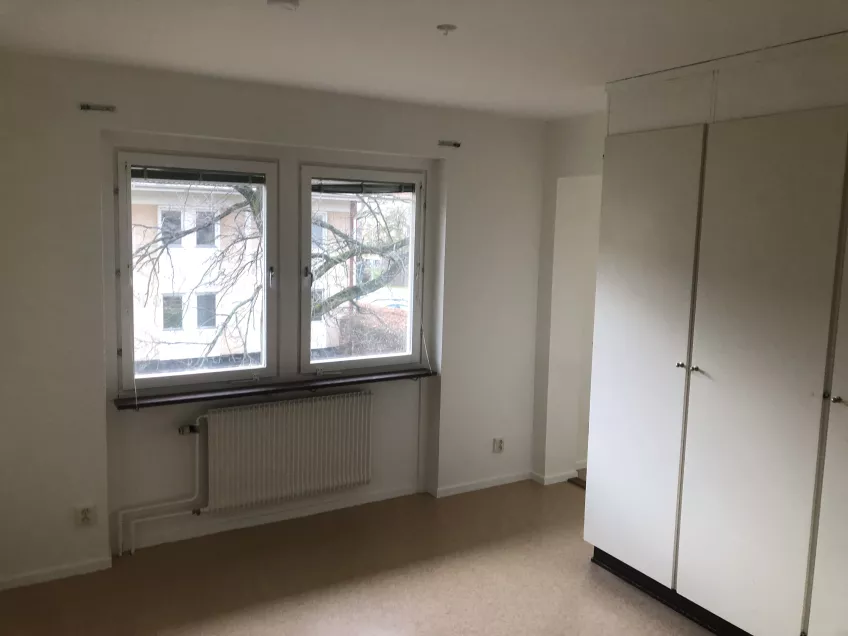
(829, 609)
(649, 213)
(769, 233)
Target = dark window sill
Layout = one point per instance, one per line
(312, 384)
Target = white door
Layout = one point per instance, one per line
(769, 233)
(829, 609)
(649, 214)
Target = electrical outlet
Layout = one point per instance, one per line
(498, 445)
(86, 515)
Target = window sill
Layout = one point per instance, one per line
(311, 384)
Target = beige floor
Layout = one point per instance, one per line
(504, 561)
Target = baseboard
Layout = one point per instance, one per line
(190, 527)
(581, 465)
(553, 479)
(666, 596)
(50, 574)
(480, 484)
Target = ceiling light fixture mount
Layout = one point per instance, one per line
(446, 29)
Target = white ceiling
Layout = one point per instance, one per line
(533, 57)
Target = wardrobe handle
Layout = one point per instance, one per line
(680, 365)
(836, 399)
(695, 369)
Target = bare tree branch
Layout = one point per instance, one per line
(355, 291)
(233, 313)
(400, 249)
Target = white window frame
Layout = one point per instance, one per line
(419, 178)
(128, 382)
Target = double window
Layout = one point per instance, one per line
(206, 295)
(172, 311)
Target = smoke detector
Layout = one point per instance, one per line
(291, 5)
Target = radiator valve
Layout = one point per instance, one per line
(189, 429)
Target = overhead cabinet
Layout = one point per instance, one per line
(707, 481)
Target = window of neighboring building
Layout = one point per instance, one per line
(206, 310)
(365, 231)
(172, 311)
(205, 224)
(171, 227)
(319, 232)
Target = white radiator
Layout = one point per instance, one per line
(267, 453)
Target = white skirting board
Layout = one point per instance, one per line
(480, 484)
(547, 480)
(189, 527)
(581, 464)
(61, 572)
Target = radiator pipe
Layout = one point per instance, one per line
(195, 494)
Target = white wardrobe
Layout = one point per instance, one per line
(718, 464)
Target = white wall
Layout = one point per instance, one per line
(399, 432)
(150, 462)
(573, 148)
(56, 408)
(578, 216)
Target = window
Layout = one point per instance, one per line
(171, 227)
(204, 221)
(206, 311)
(318, 232)
(172, 311)
(324, 276)
(219, 205)
(362, 309)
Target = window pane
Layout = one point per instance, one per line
(205, 310)
(172, 227)
(172, 312)
(362, 238)
(205, 223)
(229, 332)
